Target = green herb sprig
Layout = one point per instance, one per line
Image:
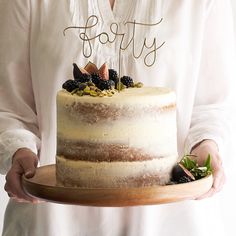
(197, 171)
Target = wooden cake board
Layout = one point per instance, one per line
(43, 186)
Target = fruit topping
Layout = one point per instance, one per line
(113, 75)
(84, 78)
(127, 81)
(113, 85)
(103, 72)
(77, 73)
(91, 68)
(96, 78)
(184, 179)
(188, 169)
(179, 171)
(70, 85)
(97, 82)
(105, 84)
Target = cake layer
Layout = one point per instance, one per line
(99, 152)
(114, 174)
(152, 138)
(153, 96)
(155, 134)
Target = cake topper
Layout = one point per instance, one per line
(116, 34)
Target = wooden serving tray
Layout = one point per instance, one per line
(43, 186)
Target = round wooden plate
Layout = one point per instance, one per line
(43, 185)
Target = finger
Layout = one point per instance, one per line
(14, 187)
(218, 182)
(216, 187)
(208, 194)
(28, 165)
(14, 197)
(34, 201)
(219, 178)
(19, 200)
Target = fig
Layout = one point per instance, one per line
(91, 68)
(179, 172)
(77, 73)
(103, 72)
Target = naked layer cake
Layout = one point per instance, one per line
(124, 140)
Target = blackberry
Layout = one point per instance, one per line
(127, 81)
(113, 75)
(184, 179)
(105, 84)
(84, 78)
(96, 79)
(113, 83)
(70, 85)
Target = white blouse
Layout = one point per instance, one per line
(189, 43)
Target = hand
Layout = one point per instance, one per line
(24, 162)
(201, 151)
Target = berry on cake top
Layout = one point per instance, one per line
(97, 82)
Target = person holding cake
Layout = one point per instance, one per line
(185, 46)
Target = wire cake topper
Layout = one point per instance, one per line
(115, 34)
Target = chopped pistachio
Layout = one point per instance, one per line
(82, 86)
(94, 88)
(75, 91)
(80, 93)
(93, 93)
(86, 90)
(138, 85)
(120, 86)
(91, 84)
(98, 90)
(101, 95)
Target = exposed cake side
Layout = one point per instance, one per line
(132, 132)
(114, 174)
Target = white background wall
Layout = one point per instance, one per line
(228, 198)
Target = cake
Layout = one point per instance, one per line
(124, 140)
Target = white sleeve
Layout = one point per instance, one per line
(210, 117)
(18, 119)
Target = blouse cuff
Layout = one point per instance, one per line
(11, 141)
(192, 140)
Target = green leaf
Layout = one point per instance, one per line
(208, 163)
(197, 171)
(188, 163)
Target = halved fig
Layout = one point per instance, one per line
(179, 172)
(77, 73)
(91, 68)
(104, 72)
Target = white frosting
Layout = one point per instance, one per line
(157, 96)
(145, 119)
